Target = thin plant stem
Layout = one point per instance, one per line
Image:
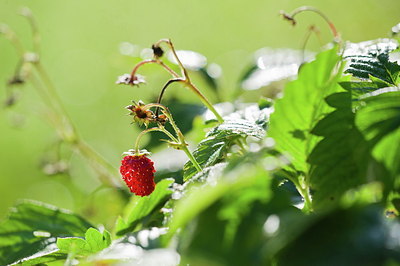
(100, 165)
(181, 138)
(60, 117)
(171, 46)
(191, 158)
(152, 61)
(317, 11)
(13, 38)
(169, 82)
(27, 13)
(139, 137)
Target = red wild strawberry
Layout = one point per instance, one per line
(138, 174)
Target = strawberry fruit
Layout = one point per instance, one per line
(138, 174)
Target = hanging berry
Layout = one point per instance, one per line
(138, 174)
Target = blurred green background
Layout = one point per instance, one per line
(81, 51)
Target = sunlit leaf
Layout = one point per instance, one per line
(93, 242)
(202, 196)
(140, 209)
(302, 107)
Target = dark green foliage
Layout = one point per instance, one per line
(340, 160)
(32, 227)
(379, 120)
(371, 62)
(355, 236)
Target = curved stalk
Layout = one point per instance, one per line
(152, 61)
(171, 46)
(317, 11)
(139, 137)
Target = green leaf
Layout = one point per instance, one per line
(219, 140)
(379, 121)
(94, 242)
(339, 161)
(370, 61)
(302, 106)
(200, 196)
(140, 209)
(32, 227)
(42, 257)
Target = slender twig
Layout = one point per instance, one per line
(26, 12)
(152, 61)
(299, 10)
(139, 137)
(169, 82)
(59, 116)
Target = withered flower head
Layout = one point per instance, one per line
(141, 114)
(157, 51)
(288, 17)
(128, 80)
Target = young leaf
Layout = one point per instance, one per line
(140, 209)
(302, 107)
(32, 227)
(94, 242)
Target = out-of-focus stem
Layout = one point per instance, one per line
(26, 12)
(59, 116)
(106, 171)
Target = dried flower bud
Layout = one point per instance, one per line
(288, 17)
(157, 51)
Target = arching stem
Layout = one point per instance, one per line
(299, 10)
